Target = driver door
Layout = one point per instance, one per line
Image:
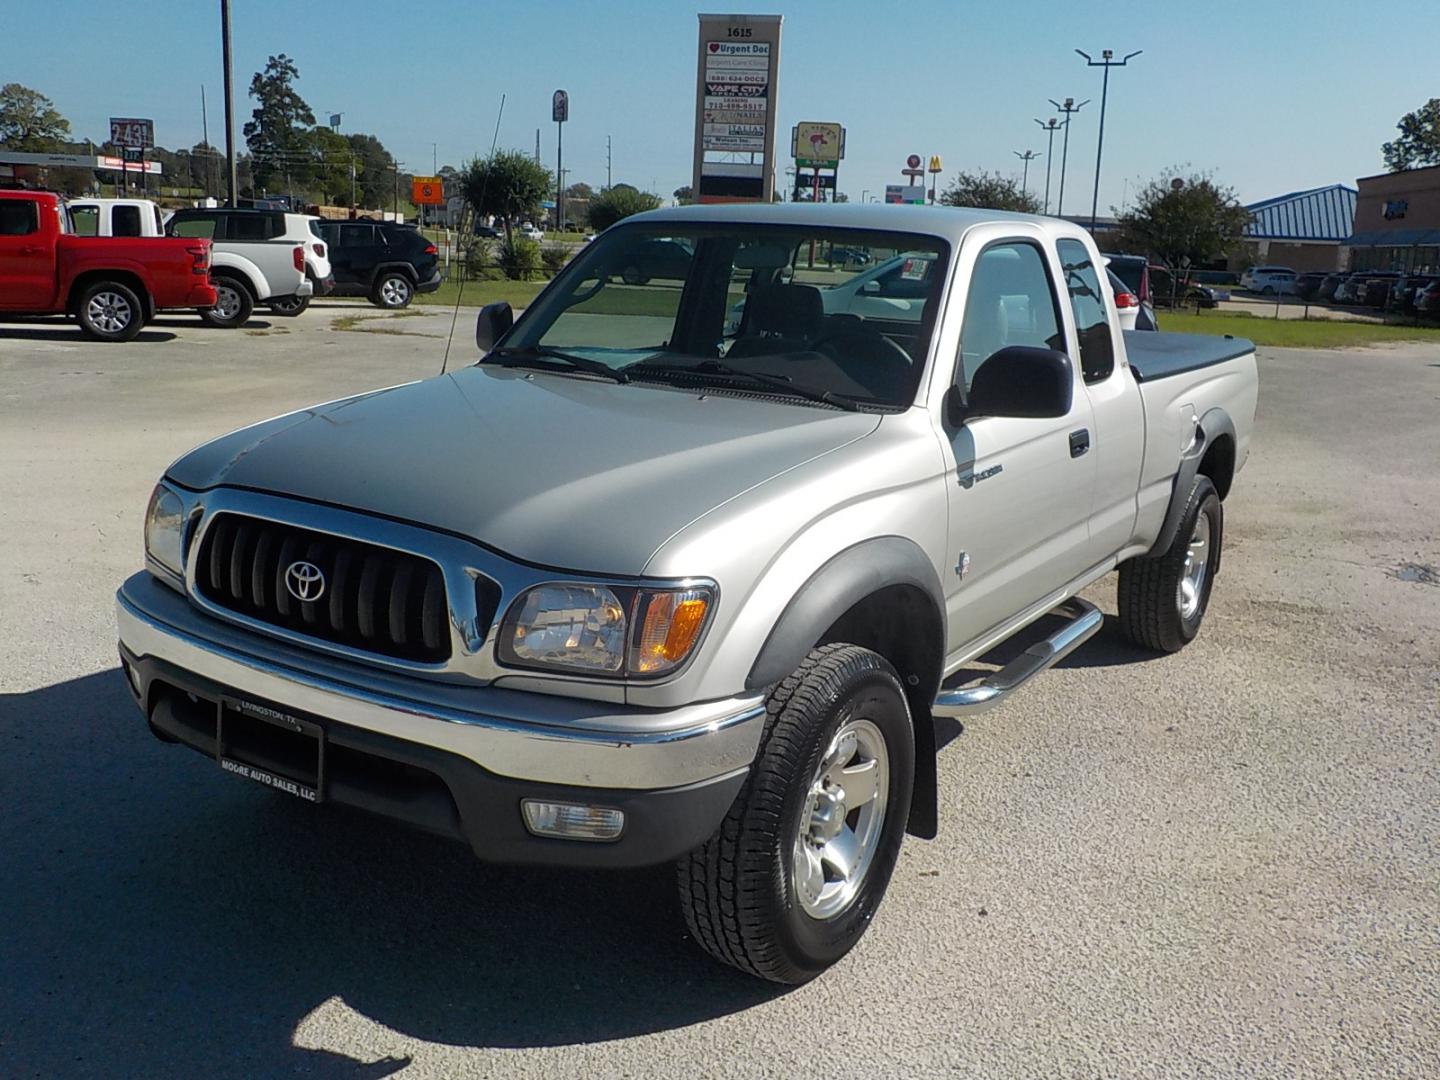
(1020, 489)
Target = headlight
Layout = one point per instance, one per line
(164, 530)
(604, 630)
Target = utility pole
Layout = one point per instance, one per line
(1027, 157)
(229, 102)
(1049, 129)
(205, 138)
(1069, 109)
(434, 159)
(1107, 61)
(607, 161)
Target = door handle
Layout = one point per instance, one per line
(29, 249)
(1079, 442)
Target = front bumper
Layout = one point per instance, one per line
(455, 760)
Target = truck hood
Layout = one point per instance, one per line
(568, 472)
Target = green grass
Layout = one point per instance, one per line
(479, 293)
(1294, 333)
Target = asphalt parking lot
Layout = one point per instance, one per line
(1219, 863)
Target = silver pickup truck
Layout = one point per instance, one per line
(686, 566)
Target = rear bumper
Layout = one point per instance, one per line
(199, 296)
(450, 760)
(324, 286)
(431, 283)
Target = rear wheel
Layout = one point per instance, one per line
(289, 306)
(110, 311)
(1162, 599)
(233, 305)
(796, 871)
(392, 290)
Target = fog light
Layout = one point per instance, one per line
(571, 821)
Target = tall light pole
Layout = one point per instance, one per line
(1107, 61)
(1069, 109)
(229, 101)
(1027, 157)
(1049, 128)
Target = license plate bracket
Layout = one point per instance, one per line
(271, 746)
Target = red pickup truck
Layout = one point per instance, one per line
(112, 285)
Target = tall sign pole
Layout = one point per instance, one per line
(737, 92)
(229, 101)
(560, 112)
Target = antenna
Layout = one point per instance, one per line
(454, 315)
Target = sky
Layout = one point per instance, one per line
(1271, 97)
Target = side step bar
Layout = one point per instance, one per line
(1085, 619)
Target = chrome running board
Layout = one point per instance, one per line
(1085, 619)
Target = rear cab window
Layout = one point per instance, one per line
(125, 221)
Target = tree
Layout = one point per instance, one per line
(579, 190)
(989, 191)
(28, 120)
(1183, 220)
(374, 170)
(684, 196)
(509, 185)
(276, 132)
(620, 201)
(1419, 141)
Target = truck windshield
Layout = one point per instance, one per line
(814, 314)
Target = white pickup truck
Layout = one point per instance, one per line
(687, 565)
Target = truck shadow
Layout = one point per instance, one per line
(167, 918)
(68, 333)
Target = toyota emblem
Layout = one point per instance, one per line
(304, 581)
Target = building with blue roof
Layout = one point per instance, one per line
(1304, 230)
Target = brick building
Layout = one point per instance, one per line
(1397, 222)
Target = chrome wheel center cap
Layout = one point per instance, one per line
(827, 817)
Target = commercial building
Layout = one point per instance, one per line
(1304, 230)
(1397, 222)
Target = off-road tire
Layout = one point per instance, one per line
(1150, 614)
(392, 291)
(245, 306)
(109, 311)
(289, 306)
(737, 889)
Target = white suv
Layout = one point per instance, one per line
(1269, 280)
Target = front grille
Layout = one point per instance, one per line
(374, 598)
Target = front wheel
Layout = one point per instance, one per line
(110, 311)
(289, 306)
(1162, 599)
(392, 291)
(797, 869)
(233, 305)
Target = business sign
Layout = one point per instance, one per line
(814, 143)
(427, 191)
(735, 88)
(560, 106)
(132, 133)
(905, 193)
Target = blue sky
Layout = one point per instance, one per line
(1272, 96)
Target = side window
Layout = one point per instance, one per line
(125, 220)
(1011, 302)
(202, 227)
(249, 227)
(86, 219)
(18, 218)
(1092, 318)
(353, 236)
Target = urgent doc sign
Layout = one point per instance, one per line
(735, 107)
(132, 133)
(427, 191)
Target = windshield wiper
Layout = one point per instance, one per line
(527, 355)
(780, 382)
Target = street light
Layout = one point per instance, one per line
(1027, 157)
(1069, 109)
(1107, 61)
(1049, 129)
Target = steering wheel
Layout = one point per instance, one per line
(874, 347)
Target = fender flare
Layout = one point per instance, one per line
(399, 266)
(837, 586)
(228, 264)
(1215, 423)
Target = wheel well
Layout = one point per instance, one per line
(405, 270)
(901, 624)
(1219, 464)
(239, 278)
(123, 277)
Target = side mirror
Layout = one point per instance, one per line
(1022, 381)
(871, 288)
(493, 323)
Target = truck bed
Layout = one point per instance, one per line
(1159, 355)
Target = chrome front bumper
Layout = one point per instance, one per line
(535, 737)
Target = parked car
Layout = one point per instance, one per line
(112, 286)
(1351, 287)
(1166, 291)
(649, 259)
(387, 262)
(1406, 292)
(1427, 299)
(530, 232)
(1133, 314)
(612, 597)
(1375, 292)
(847, 257)
(267, 257)
(115, 217)
(1307, 285)
(1328, 286)
(1269, 280)
(487, 232)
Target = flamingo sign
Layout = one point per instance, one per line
(817, 145)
